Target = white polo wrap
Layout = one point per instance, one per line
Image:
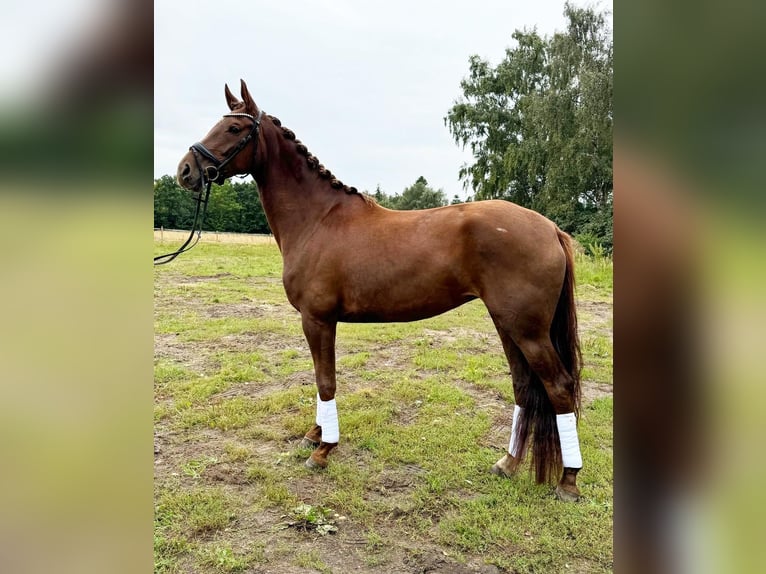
(570, 444)
(327, 418)
(513, 447)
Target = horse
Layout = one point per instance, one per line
(348, 259)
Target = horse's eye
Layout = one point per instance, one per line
(234, 129)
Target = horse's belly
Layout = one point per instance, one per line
(387, 308)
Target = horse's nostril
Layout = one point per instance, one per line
(186, 171)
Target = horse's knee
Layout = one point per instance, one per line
(546, 364)
(326, 391)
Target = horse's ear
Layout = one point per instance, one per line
(248, 99)
(231, 100)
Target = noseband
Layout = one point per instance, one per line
(209, 174)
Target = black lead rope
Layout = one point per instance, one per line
(168, 257)
(208, 178)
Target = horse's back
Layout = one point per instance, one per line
(491, 231)
(475, 216)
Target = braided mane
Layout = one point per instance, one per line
(314, 164)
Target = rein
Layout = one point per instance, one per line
(209, 175)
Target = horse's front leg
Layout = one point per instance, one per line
(321, 338)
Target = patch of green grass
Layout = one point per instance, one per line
(270, 485)
(374, 550)
(367, 413)
(350, 490)
(225, 259)
(489, 371)
(241, 367)
(220, 557)
(236, 452)
(354, 361)
(162, 412)
(597, 358)
(168, 550)
(434, 358)
(353, 334)
(478, 368)
(472, 316)
(194, 511)
(595, 432)
(295, 398)
(195, 328)
(197, 390)
(278, 494)
(290, 361)
(594, 277)
(227, 414)
(245, 412)
(189, 389)
(311, 559)
(196, 466)
(166, 373)
(261, 431)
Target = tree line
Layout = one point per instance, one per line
(236, 206)
(232, 207)
(539, 127)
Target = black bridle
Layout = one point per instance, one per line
(210, 174)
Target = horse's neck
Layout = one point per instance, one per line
(294, 199)
(294, 211)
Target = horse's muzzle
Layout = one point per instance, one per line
(188, 176)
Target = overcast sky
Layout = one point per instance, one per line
(364, 84)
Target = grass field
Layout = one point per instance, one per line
(234, 394)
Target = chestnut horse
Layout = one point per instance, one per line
(346, 258)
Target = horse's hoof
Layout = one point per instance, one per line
(313, 464)
(567, 495)
(505, 467)
(308, 443)
(497, 471)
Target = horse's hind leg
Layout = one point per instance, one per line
(521, 374)
(547, 394)
(560, 389)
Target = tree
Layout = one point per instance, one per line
(539, 124)
(252, 218)
(223, 210)
(383, 198)
(173, 205)
(419, 196)
(456, 199)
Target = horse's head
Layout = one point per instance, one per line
(228, 149)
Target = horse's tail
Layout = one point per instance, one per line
(538, 415)
(564, 326)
